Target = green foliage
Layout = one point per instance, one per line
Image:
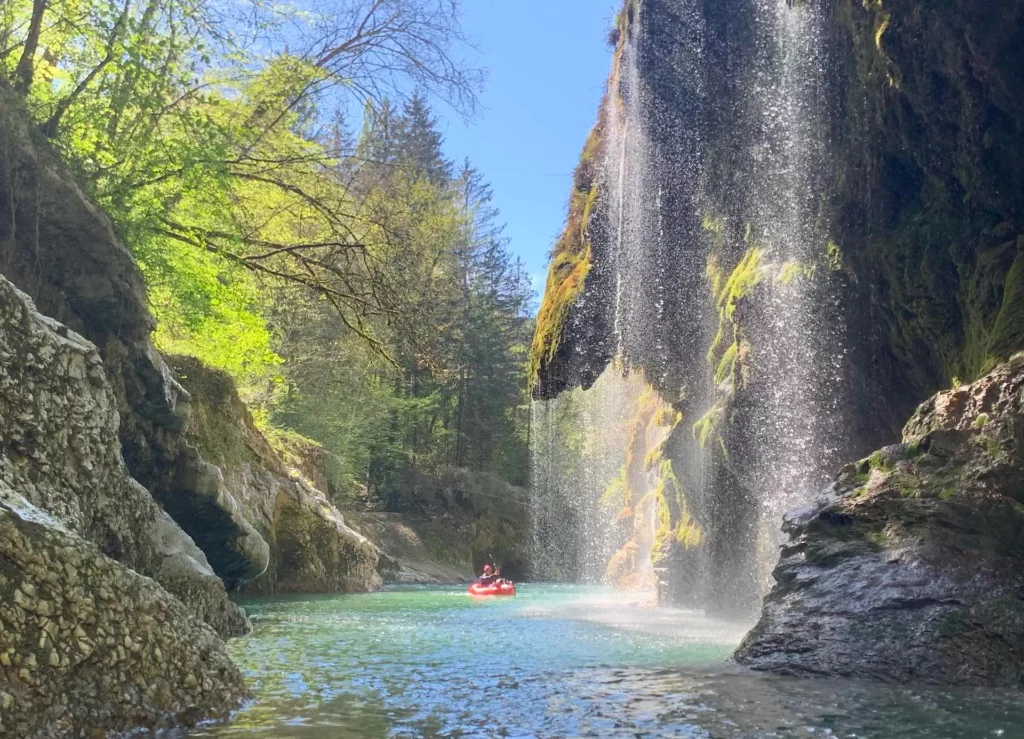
(959, 306)
(359, 291)
(728, 291)
(793, 270)
(833, 256)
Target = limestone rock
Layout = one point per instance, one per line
(67, 428)
(88, 646)
(410, 547)
(263, 525)
(911, 567)
(59, 448)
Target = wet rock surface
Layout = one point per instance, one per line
(911, 568)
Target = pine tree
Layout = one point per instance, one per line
(418, 143)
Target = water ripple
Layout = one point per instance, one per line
(556, 662)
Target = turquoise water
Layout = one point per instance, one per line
(556, 661)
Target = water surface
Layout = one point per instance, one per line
(556, 661)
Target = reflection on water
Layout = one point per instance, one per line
(557, 661)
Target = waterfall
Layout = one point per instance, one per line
(800, 344)
(592, 507)
(716, 246)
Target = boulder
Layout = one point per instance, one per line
(911, 567)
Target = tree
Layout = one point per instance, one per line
(359, 291)
(169, 104)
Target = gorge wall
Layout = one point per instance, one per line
(112, 473)
(797, 220)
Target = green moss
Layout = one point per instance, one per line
(728, 288)
(705, 427)
(615, 493)
(792, 270)
(908, 486)
(1007, 334)
(833, 256)
(570, 261)
(877, 462)
(913, 450)
(877, 539)
(980, 421)
(946, 493)
(727, 364)
(995, 450)
(681, 528)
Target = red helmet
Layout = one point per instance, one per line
(488, 569)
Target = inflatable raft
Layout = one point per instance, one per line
(501, 587)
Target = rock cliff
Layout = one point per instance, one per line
(911, 567)
(78, 274)
(798, 222)
(87, 640)
(60, 451)
(264, 524)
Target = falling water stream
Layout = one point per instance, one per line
(791, 424)
(799, 345)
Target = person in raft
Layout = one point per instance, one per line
(489, 577)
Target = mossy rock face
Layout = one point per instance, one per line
(932, 110)
(574, 308)
(913, 569)
(260, 511)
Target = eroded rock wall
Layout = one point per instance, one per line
(59, 449)
(263, 524)
(103, 598)
(88, 646)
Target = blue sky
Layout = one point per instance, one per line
(547, 64)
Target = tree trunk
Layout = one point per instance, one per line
(26, 68)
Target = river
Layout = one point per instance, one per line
(556, 661)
